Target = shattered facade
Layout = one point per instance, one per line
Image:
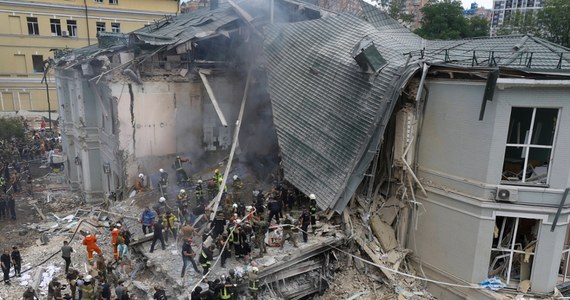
(450, 152)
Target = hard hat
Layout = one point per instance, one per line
(216, 171)
(118, 225)
(232, 272)
(141, 175)
(312, 197)
(182, 191)
(234, 205)
(255, 269)
(235, 177)
(161, 170)
(162, 199)
(88, 278)
(88, 232)
(200, 181)
(177, 156)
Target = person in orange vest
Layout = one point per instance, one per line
(90, 243)
(114, 235)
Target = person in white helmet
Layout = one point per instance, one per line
(237, 186)
(140, 183)
(161, 207)
(163, 182)
(199, 193)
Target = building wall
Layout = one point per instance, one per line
(502, 9)
(460, 161)
(20, 78)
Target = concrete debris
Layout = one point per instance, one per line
(384, 232)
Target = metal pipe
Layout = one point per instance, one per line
(234, 144)
(420, 89)
(87, 22)
(213, 99)
(564, 196)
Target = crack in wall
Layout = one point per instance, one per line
(133, 122)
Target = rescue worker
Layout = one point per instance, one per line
(90, 243)
(225, 252)
(181, 175)
(313, 211)
(273, 206)
(288, 231)
(305, 220)
(260, 228)
(5, 262)
(183, 204)
(237, 242)
(114, 236)
(170, 224)
(199, 193)
(66, 251)
(147, 219)
(188, 256)
(227, 290)
(237, 186)
(206, 258)
(217, 178)
(140, 183)
(163, 182)
(218, 225)
(196, 293)
(253, 283)
(161, 207)
(88, 288)
(157, 235)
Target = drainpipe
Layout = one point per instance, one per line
(87, 22)
(564, 196)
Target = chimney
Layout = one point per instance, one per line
(213, 4)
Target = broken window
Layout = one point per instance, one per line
(72, 27)
(55, 25)
(564, 271)
(100, 26)
(514, 244)
(530, 141)
(33, 26)
(116, 27)
(38, 63)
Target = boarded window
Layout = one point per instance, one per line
(15, 25)
(25, 101)
(8, 102)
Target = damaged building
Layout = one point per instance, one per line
(450, 151)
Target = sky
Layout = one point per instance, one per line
(484, 3)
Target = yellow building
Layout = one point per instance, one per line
(29, 30)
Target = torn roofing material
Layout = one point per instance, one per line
(329, 115)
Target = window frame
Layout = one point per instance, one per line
(540, 219)
(33, 24)
(34, 63)
(115, 27)
(528, 146)
(55, 24)
(114, 2)
(98, 1)
(71, 28)
(100, 28)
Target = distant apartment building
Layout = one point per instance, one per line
(30, 32)
(478, 11)
(502, 10)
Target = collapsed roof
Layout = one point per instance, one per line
(334, 79)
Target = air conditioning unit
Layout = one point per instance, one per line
(65, 33)
(507, 194)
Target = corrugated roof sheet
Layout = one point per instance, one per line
(329, 115)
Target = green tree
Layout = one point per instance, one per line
(478, 26)
(554, 22)
(443, 19)
(11, 127)
(396, 10)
